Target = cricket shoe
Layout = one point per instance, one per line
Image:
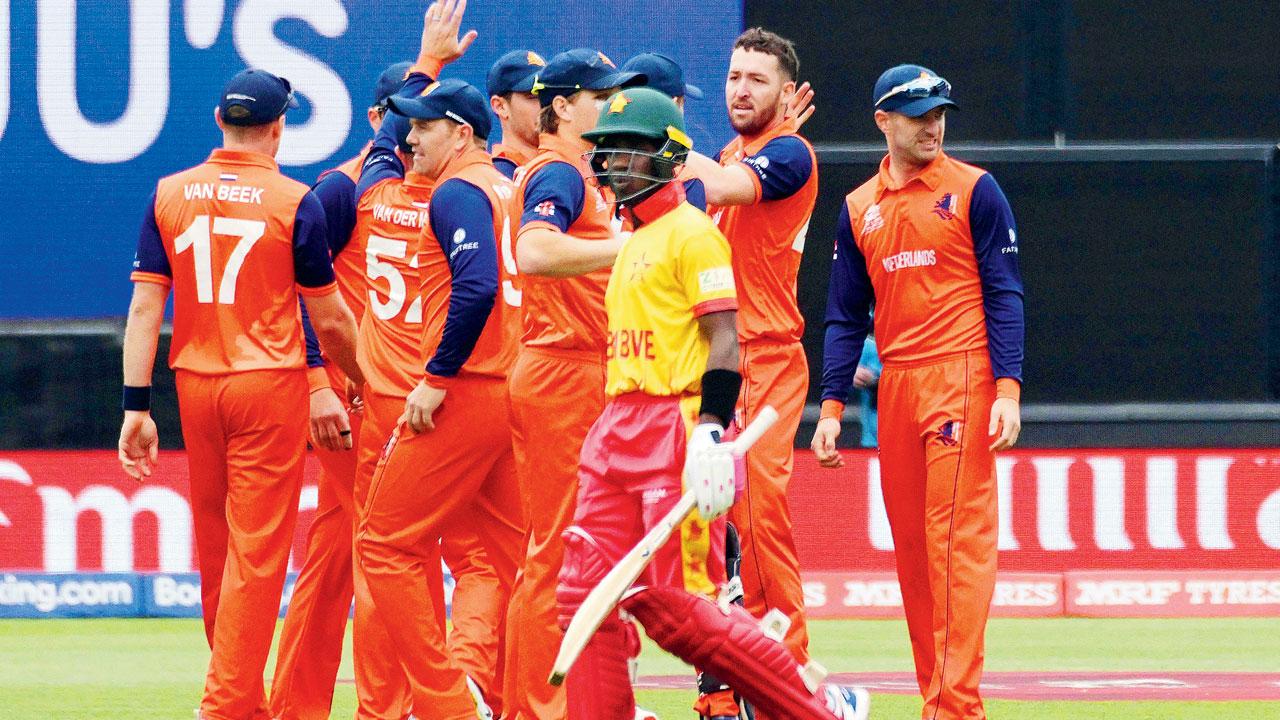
(847, 703)
(642, 714)
(482, 708)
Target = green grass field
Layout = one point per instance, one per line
(98, 669)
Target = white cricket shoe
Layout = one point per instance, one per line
(847, 703)
(482, 708)
(642, 714)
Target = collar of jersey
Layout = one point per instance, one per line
(656, 205)
(473, 156)
(414, 180)
(515, 156)
(931, 176)
(565, 148)
(753, 145)
(242, 157)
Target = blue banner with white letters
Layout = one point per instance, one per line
(73, 595)
(99, 100)
(122, 595)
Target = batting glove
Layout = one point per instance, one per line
(708, 471)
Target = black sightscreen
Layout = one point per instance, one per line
(1145, 280)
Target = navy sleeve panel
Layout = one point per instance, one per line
(310, 339)
(696, 194)
(312, 265)
(462, 220)
(150, 256)
(783, 166)
(506, 166)
(849, 300)
(555, 194)
(337, 195)
(995, 243)
(382, 162)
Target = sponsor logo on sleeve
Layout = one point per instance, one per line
(715, 280)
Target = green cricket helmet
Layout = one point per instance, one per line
(643, 114)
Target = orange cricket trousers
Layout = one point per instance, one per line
(556, 396)
(310, 647)
(382, 690)
(480, 595)
(246, 440)
(774, 374)
(938, 477)
(426, 486)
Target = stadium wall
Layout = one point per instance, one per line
(1083, 532)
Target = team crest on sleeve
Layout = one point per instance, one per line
(945, 208)
(871, 220)
(546, 208)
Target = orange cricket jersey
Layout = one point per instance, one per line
(227, 229)
(767, 238)
(495, 350)
(349, 265)
(920, 258)
(390, 221)
(568, 313)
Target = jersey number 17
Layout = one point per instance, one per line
(197, 238)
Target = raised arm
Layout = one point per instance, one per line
(779, 170)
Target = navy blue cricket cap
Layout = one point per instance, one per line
(578, 69)
(390, 82)
(454, 99)
(663, 74)
(255, 97)
(515, 69)
(911, 90)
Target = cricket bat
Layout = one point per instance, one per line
(605, 596)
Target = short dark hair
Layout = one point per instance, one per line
(548, 120)
(760, 40)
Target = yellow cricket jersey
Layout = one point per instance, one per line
(671, 271)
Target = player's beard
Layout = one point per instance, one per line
(759, 122)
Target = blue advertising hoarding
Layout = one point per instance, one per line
(99, 100)
(122, 595)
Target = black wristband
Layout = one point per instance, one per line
(720, 394)
(136, 398)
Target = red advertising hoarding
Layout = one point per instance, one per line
(1085, 532)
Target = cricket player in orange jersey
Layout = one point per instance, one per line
(238, 242)
(762, 193)
(510, 85)
(557, 385)
(391, 213)
(672, 384)
(449, 463)
(931, 241)
(314, 629)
